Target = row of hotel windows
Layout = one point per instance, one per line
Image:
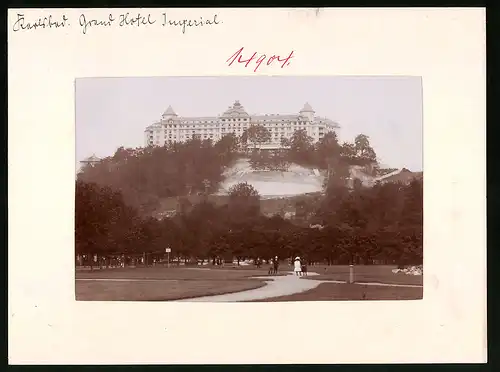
(270, 122)
(288, 129)
(237, 129)
(227, 120)
(170, 140)
(282, 129)
(275, 136)
(295, 127)
(223, 132)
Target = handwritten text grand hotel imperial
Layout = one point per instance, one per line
(86, 22)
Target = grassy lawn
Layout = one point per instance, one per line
(178, 273)
(159, 290)
(364, 273)
(162, 284)
(351, 292)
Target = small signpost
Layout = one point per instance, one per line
(167, 251)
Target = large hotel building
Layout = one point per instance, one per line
(174, 128)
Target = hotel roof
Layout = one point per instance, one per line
(237, 110)
(169, 111)
(307, 108)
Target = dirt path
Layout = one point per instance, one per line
(277, 286)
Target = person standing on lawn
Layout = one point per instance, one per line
(271, 267)
(276, 265)
(297, 266)
(304, 267)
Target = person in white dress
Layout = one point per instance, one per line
(297, 268)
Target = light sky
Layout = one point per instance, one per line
(113, 112)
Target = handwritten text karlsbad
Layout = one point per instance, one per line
(87, 22)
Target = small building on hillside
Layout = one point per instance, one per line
(91, 160)
(403, 176)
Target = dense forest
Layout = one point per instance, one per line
(365, 225)
(380, 224)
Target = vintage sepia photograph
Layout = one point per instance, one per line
(249, 189)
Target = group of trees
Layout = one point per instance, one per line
(114, 198)
(382, 224)
(271, 160)
(327, 153)
(146, 175)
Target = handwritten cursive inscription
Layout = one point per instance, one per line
(45, 22)
(86, 23)
(183, 23)
(238, 57)
(136, 20)
(122, 20)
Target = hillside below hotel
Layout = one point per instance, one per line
(174, 128)
(295, 180)
(298, 180)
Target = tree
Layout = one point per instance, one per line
(348, 152)
(243, 190)
(338, 175)
(260, 160)
(361, 143)
(227, 148)
(184, 206)
(244, 200)
(203, 223)
(285, 142)
(363, 149)
(258, 135)
(301, 212)
(328, 150)
(279, 161)
(243, 140)
(103, 223)
(301, 147)
(145, 176)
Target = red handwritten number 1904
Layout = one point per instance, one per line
(238, 57)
